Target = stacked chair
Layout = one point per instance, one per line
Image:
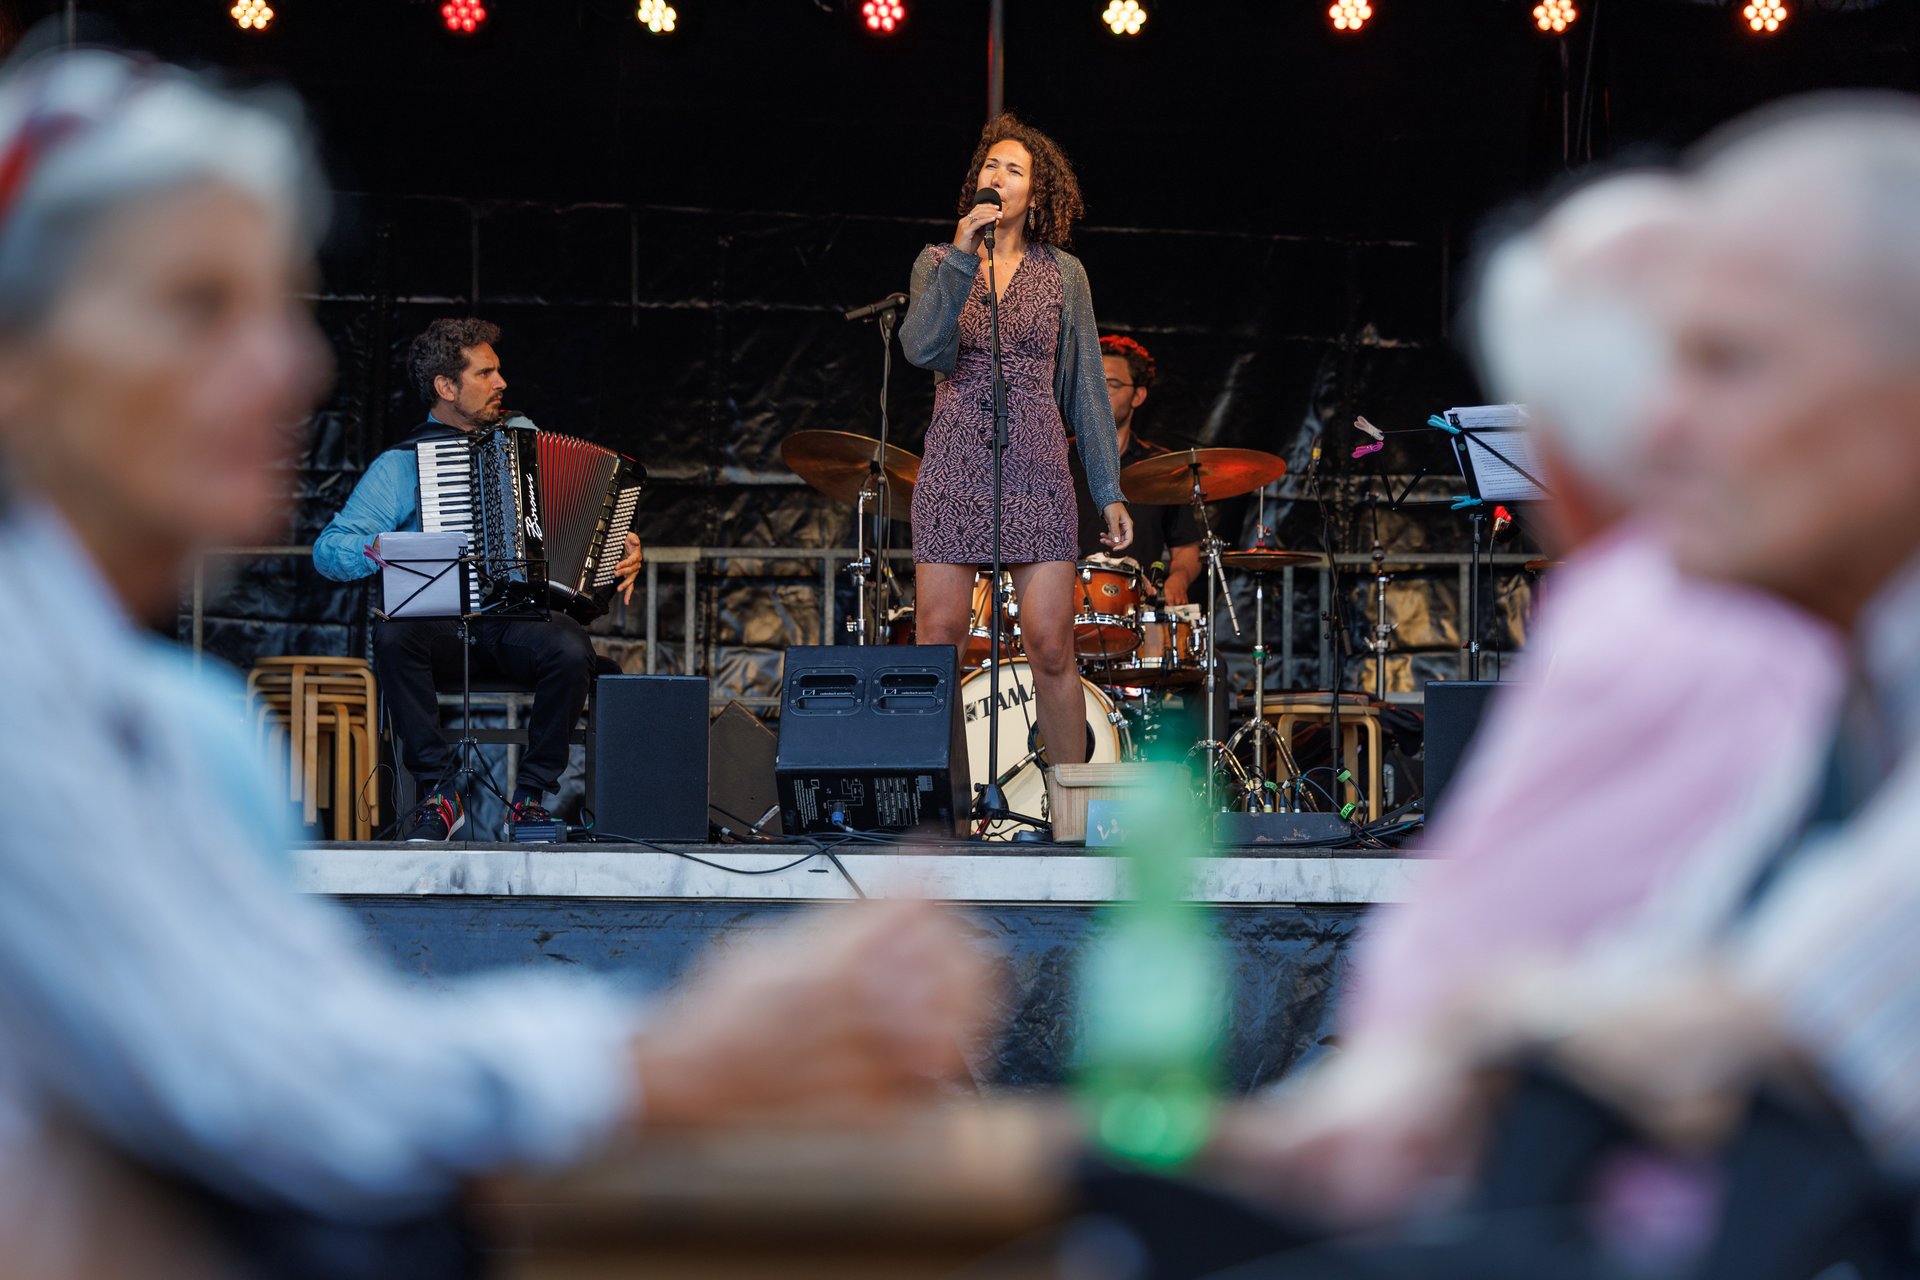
(315, 718)
(1359, 715)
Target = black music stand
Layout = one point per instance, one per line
(511, 601)
(1497, 460)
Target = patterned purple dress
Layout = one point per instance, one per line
(953, 501)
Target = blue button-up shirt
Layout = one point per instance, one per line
(160, 979)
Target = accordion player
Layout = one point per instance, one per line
(547, 518)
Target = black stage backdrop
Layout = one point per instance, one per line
(667, 229)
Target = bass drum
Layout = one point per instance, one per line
(1020, 748)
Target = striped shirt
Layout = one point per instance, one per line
(160, 979)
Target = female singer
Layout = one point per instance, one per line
(1055, 383)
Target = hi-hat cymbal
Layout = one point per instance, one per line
(1166, 479)
(1266, 560)
(837, 463)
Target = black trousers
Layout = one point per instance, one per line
(415, 658)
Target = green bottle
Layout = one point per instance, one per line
(1153, 998)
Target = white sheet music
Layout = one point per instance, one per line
(1504, 427)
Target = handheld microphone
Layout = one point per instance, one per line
(987, 195)
(892, 302)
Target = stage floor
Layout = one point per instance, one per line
(953, 873)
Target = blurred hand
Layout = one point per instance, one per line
(1376, 1132)
(1119, 534)
(627, 572)
(1176, 591)
(837, 1019)
(1681, 1060)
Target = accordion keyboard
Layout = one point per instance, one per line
(446, 496)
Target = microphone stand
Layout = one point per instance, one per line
(872, 569)
(991, 805)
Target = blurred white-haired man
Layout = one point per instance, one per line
(1784, 447)
(1642, 691)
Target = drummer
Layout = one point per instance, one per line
(1165, 535)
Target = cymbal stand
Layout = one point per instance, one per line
(1382, 642)
(865, 563)
(1258, 792)
(1217, 590)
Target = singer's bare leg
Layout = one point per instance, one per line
(942, 604)
(1046, 593)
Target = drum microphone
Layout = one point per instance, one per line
(892, 302)
(987, 195)
(1157, 574)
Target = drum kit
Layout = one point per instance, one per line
(1135, 652)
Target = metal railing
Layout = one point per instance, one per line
(831, 562)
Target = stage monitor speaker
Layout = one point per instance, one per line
(1454, 709)
(650, 757)
(871, 738)
(742, 795)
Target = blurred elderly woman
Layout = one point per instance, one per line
(159, 981)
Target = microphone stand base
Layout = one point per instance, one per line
(990, 807)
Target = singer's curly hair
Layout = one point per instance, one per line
(441, 351)
(1139, 360)
(1053, 194)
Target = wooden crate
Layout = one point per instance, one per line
(1070, 787)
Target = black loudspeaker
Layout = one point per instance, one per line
(1454, 709)
(871, 737)
(742, 795)
(650, 757)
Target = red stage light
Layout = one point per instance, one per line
(1765, 16)
(1350, 15)
(463, 16)
(882, 16)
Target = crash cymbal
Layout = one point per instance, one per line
(836, 463)
(1267, 561)
(1541, 566)
(1166, 479)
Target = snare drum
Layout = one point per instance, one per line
(1172, 651)
(1024, 782)
(1105, 597)
(978, 649)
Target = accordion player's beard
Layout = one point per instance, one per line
(491, 416)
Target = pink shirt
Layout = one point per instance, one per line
(1593, 778)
